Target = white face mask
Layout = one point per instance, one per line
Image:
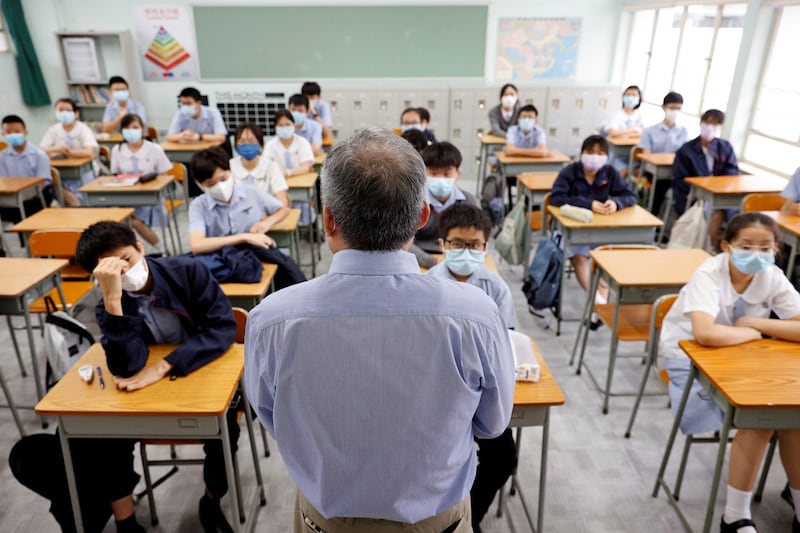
(222, 190)
(136, 277)
(508, 101)
(671, 115)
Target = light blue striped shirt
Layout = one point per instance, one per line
(248, 205)
(792, 190)
(112, 109)
(373, 379)
(311, 131)
(209, 121)
(32, 162)
(521, 139)
(660, 139)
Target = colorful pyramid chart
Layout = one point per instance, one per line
(165, 51)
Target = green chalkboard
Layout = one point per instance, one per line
(260, 42)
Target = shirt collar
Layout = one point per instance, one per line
(455, 196)
(29, 149)
(365, 263)
(481, 273)
(759, 289)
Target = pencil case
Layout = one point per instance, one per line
(580, 214)
(144, 178)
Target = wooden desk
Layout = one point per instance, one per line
(72, 167)
(756, 384)
(621, 146)
(191, 407)
(103, 192)
(727, 192)
(488, 142)
(248, 295)
(660, 167)
(632, 225)
(109, 140)
(23, 281)
(790, 224)
(327, 142)
(183, 152)
(71, 218)
(511, 166)
(286, 233)
(319, 159)
(304, 187)
(636, 277)
(488, 262)
(535, 186)
(15, 190)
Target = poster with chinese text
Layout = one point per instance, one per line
(166, 42)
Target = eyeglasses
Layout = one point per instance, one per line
(476, 246)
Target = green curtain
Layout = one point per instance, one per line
(34, 89)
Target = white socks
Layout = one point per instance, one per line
(600, 299)
(796, 500)
(737, 506)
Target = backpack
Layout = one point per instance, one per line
(492, 198)
(690, 230)
(510, 242)
(65, 341)
(544, 275)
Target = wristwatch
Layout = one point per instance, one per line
(201, 137)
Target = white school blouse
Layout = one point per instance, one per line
(79, 137)
(266, 175)
(620, 120)
(149, 158)
(709, 290)
(287, 158)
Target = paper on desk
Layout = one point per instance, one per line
(121, 180)
(525, 363)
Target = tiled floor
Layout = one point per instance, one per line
(598, 481)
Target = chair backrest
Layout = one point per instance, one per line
(55, 176)
(3, 145)
(105, 153)
(624, 247)
(152, 134)
(636, 151)
(58, 243)
(178, 171)
(240, 315)
(660, 309)
(763, 201)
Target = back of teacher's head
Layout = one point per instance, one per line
(373, 185)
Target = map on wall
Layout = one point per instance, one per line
(537, 48)
(166, 41)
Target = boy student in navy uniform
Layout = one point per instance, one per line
(729, 301)
(137, 156)
(411, 119)
(120, 105)
(25, 160)
(664, 137)
(626, 122)
(70, 138)
(593, 184)
(319, 110)
(705, 155)
(194, 122)
(235, 214)
(171, 300)
(310, 130)
(504, 115)
(464, 230)
(252, 167)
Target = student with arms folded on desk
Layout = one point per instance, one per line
(319, 110)
(25, 160)
(70, 138)
(505, 114)
(290, 151)
(136, 156)
(593, 184)
(625, 122)
(728, 301)
(194, 122)
(464, 231)
(120, 105)
(525, 138)
(171, 300)
(251, 166)
(307, 129)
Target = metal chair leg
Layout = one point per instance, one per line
(151, 501)
(682, 468)
(16, 347)
(762, 481)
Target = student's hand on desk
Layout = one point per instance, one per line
(602, 208)
(259, 239)
(188, 136)
(144, 377)
(261, 226)
(610, 206)
(794, 209)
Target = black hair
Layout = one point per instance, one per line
(128, 119)
(252, 126)
(117, 79)
(416, 138)
(205, 162)
(713, 114)
(191, 92)
(13, 119)
(424, 114)
(299, 99)
(673, 98)
(441, 155)
(410, 110)
(595, 140)
(528, 108)
(101, 238)
(506, 86)
(283, 113)
(311, 88)
(464, 215)
(751, 218)
(69, 101)
(638, 90)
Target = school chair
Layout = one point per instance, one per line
(636, 180)
(55, 177)
(660, 309)
(105, 155)
(541, 218)
(178, 171)
(241, 319)
(763, 202)
(3, 145)
(152, 134)
(75, 282)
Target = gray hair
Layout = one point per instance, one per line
(373, 184)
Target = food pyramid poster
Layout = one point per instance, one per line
(166, 43)
(165, 51)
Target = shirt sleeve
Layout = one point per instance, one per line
(175, 125)
(218, 123)
(108, 113)
(792, 190)
(141, 112)
(619, 190)
(542, 137)
(304, 153)
(505, 303)
(49, 139)
(646, 140)
(316, 135)
(785, 299)
(702, 294)
(275, 180)
(197, 222)
(497, 387)
(43, 167)
(269, 202)
(115, 160)
(163, 164)
(262, 348)
(512, 135)
(88, 139)
(325, 114)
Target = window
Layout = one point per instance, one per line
(773, 140)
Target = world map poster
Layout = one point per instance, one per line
(166, 42)
(537, 48)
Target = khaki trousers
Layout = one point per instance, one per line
(456, 519)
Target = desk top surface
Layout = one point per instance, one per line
(170, 146)
(788, 223)
(302, 181)
(107, 185)
(251, 290)
(664, 159)
(319, 159)
(488, 262)
(289, 223)
(738, 184)
(205, 392)
(624, 140)
(551, 157)
(630, 217)
(21, 273)
(13, 185)
(544, 392)
(71, 218)
(492, 139)
(762, 373)
(70, 162)
(537, 181)
(113, 137)
(650, 266)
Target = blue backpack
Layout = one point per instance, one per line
(544, 275)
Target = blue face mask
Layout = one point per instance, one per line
(526, 124)
(132, 135)
(121, 96)
(15, 139)
(248, 151)
(65, 117)
(751, 262)
(187, 110)
(441, 187)
(630, 101)
(284, 132)
(407, 127)
(299, 118)
(464, 262)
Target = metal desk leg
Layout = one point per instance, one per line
(229, 471)
(612, 357)
(73, 487)
(482, 168)
(565, 241)
(583, 327)
(543, 469)
(171, 193)
(674, 432)
(32, 347)
(527, 244)
(723, 443)
(11, 404)
(651, 196)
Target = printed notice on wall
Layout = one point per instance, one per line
(166, 42)
(537, 48)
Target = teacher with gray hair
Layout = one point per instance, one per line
(373, 378)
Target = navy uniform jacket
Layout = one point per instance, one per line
(183, 286)
(572, 188)
(690, 161)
